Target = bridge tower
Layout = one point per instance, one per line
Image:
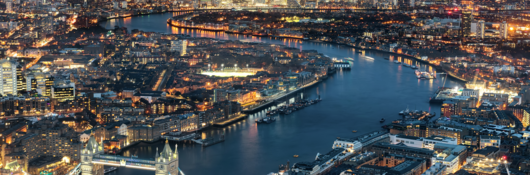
(91, 149)
(167, 163)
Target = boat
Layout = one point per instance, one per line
(386, 58)
(406, 65)
(414, 67)
(368, 58)
(382, 120)
(295, 156)
(359, 51)
(354, 131)
(397, 62)
(267, 120)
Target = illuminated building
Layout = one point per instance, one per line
(486, 141)
(465, 24)
(504, 30)
(8, 83)
(63, 90)
(9, 7)
(11, 105)
(480, 29)
(180, 45)
(40, 82)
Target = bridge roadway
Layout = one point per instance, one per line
(120, 161)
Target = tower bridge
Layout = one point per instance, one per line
(93, 159)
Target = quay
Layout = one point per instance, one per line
(178, 136)
(209, 142)
(111, 169)
(274, 99)
(443, 94)
(228, 121)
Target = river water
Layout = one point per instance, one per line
(352, 100)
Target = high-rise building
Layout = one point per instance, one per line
(504, 30)
(8, 81)
(124, 4)
(9, 7)
(480, 29)
(180, 46)
(465, 24)
(63, 90)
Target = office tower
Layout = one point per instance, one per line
(21, 81)
(504, 30)
(480, 29)
(465, 24)
(8, 81)
(63, 90)
(9, 7)
(124, 4)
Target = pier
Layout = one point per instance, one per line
(210, 141)
(228, 121)
(275, 98)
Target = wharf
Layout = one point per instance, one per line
(225, 122)
(273, 99)
(111, 169)
(178, 136)
(443, 94)
(209, 142)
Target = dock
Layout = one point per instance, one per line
(178, 136)
(443, 94)
(209, 142)
(228, 121)
(275, 97)
(111, 169)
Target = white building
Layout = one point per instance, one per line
(436, 169)
(123, 4)
(180, 45)
(504, 30)
(115, 5)
(356, 144)
(486, 141)
(480, 29)
(411, 141)
(429, 142)
(449, 157)
(8, 81)
(349, 145)
(9, 7)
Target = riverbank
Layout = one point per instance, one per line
(351, 99)
(438, 68)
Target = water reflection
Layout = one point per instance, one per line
(351, 99)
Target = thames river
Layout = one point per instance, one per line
(352, 100)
